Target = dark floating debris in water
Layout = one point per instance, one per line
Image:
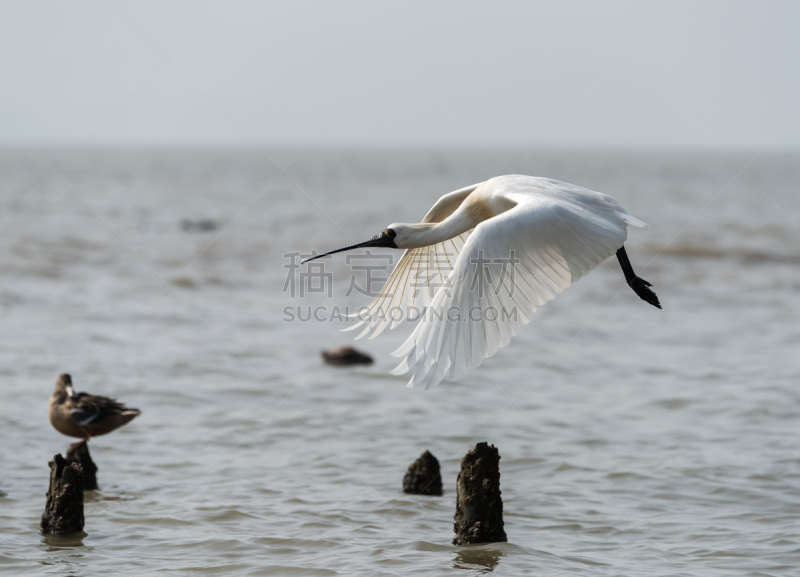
(81, 455)
(63, 512)
(342, 356)
(479, 507)
(423, 476)
(203, 225)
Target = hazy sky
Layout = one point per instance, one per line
(433, 72)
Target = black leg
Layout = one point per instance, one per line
(639, 285)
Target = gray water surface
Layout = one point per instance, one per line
(633, 441)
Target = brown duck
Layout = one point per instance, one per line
(83, 415)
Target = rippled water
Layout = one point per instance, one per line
(633, 441)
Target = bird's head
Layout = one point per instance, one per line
(384, 239)
(64, 384)
(397, 235)
(411, 235)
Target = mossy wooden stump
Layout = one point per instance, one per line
(82, 456)
(63, 512)
(423, 476)
(479, 507)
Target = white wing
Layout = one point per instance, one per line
(419, 273)
(511, 265)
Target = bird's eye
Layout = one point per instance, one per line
(390, 233)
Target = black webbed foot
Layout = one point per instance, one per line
(640, 287)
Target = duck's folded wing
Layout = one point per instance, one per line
(419, 274)
(510, 266)
(85, 414)
(89, 409)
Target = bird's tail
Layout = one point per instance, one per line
(633, 221)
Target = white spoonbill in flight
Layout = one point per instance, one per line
(481, 262)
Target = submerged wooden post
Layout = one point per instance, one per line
(423, 476)
(345, 356)
(479, 507)
(63, 512)
(81, 455)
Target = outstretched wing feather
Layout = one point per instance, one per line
(553, 242)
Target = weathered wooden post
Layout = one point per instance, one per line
(81, 455)
(423, 476)
(63, 512)
(479, 507)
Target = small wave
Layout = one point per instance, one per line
(672, 404)
(285, 570)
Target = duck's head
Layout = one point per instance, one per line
(64, 385)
